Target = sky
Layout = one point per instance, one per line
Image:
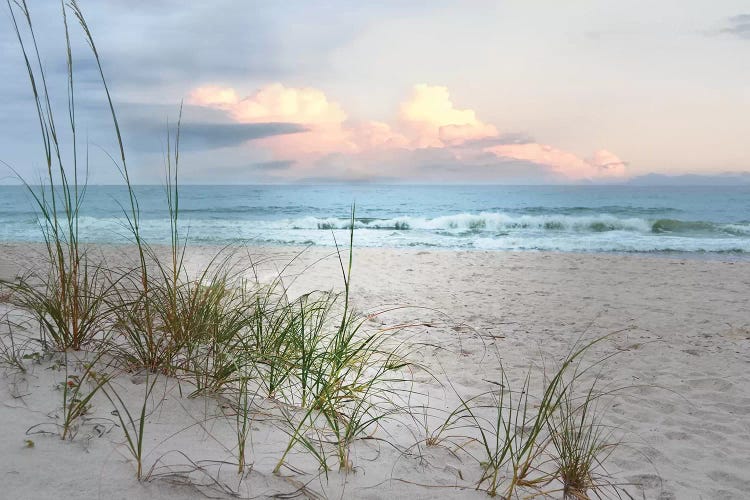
(474, 91)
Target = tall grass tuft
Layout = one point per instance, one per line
(513, 430)
(344, 376)
(13, 354)
(581, 442)
(213, 311)
(243, 417)
(68, 295)
(78, 390)
(133, 424)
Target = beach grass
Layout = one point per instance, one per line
(12, 353)
(67, 296)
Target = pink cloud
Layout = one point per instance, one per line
(427, 119)
(602, 164)
(374, 135)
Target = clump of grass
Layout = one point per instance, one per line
(78, 392)
(243, 418)
(12, 354)
(67, 294)
(581, 442)
(345, 377)
(68, 304)
(514, 430)
(509, 439)
(214, 311)
(147, 304)
(133, 424)
(171, 322)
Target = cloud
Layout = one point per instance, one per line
(218, 135)
(738, 26)
(296, 105)
(602, 164)
(374, 135)
(432, 165)
(150, 136)
(431, 115)
(272, 165)
(272, 103)
(322, 119)
(429, 134)
(506, 138)
(213, 96)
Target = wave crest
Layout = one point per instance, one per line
(503, 223)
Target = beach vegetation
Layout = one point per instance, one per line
(581, 441)
(67, 296)
(78, 391)
(132, 423)
(13, 353)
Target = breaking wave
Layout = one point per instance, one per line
(507, 223)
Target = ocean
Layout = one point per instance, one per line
(697, 220)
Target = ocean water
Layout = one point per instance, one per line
(700, 220)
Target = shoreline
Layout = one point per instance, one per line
(729, 257)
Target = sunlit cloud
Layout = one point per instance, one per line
(427, 119)
(435, 122)
(374, 135)
(214, 97)
(288, 104)
(602, 164)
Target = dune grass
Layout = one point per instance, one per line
(12, 352)
(133, 424)
(78, 391)
(67, 295)
(581, 441)
(527, 441)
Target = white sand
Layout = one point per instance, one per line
(685, 350)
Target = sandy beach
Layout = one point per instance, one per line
(681, 352)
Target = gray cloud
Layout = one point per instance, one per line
(167, 43)
(738, 26)
(432, 165)
(162, 46)
(272, 166)
(219, 135)
(148, 136)
(508, 138)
